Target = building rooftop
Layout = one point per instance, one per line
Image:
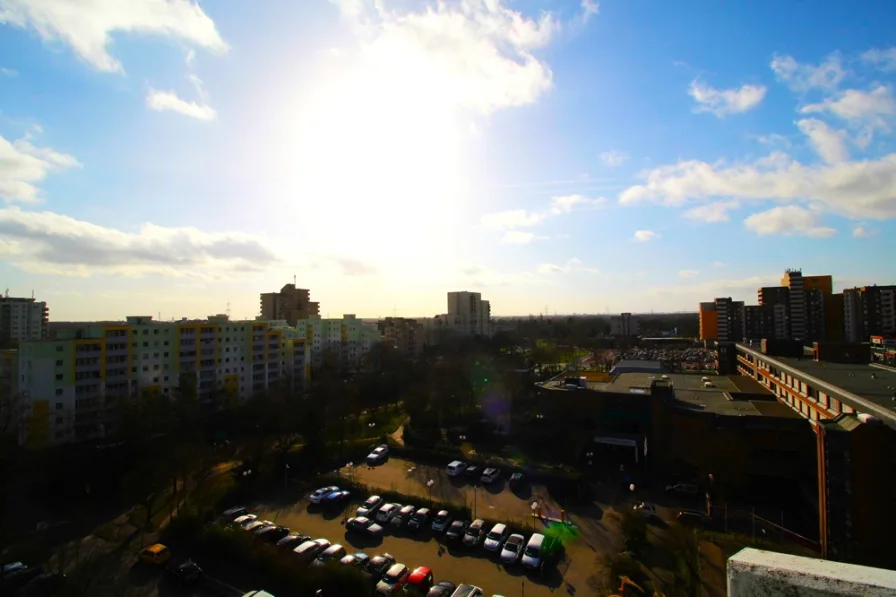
(754, 572)
(638, 366)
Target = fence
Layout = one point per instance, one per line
(747, 522)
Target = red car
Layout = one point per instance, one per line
(420, 579)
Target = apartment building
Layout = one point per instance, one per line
(349, 340)
(709, 321)
(730, 319)
(868, 311)
(623, 326)
(468, 314)
(407, 336)
(22, 319)
(69, 384)
(759, 322)
(793, 281)
(291, 305)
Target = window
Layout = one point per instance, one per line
(58, 363)
(59, 420)
(58, 377)
(59, 391)
(166, 378)
(133, 370)
(155, 332)
(155, 355)
(155, 367)
(166, 354)
(59, 348)
(145, 368)
(58, 406)
(155, 380)
(145, 332)
(146, 344)
(145, 355)
(166, 341)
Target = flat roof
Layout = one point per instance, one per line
(851, 383)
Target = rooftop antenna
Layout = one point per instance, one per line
(293, 279)
(228, 310)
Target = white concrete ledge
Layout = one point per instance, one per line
(759, 573)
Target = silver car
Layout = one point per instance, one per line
(496, 537)
(512, 549)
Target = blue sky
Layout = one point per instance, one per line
(161, 157)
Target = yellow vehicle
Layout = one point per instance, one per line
(155, 554)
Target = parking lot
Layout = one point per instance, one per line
(453, 563)
(492, 501)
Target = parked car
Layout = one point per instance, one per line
(188, 572)
(363, 526)
(441, 522)
(239, 521)
(386, 512)
(456, 468)
(420, 580)
(647, 509)
(393, 580)
(456, 530)
(257, 525)
(334, 553)
(370, 506)
(682, 489)
(155, 554)
(490, 475)
(10, 568)
(532, 554)
(419, 519)
(272, 534)
(377, 566)
(693, 518)
(496, 537)
(464, 590)
(292, 541)
(379, 455)
(475, 533)
(516, 480)
(512, 549)
(402, 516)
(356, 560)
(308, 550)
(472, 472)
(230, 514)
(336, 498)
(319, 494)
(443, 588)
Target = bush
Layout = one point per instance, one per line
(634, 530)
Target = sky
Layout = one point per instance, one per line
(176, 159)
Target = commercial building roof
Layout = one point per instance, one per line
(638, 366)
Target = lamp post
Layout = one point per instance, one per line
(285, 477)
(429, 484)
(351, 470)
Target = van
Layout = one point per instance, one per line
(455, 468)
(532, 553)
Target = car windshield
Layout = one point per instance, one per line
(442, 516)
(495, 535)
(532, 551)
(371, 501)
(512, 544)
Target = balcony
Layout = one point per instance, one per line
(757, 572)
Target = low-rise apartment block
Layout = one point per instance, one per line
(403, 335)
(349, 340)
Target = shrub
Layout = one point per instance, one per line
(634, 530)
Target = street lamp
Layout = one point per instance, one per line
(285, 477)
(463, 438)
(351, 470)
(590, 455)
(429, 484)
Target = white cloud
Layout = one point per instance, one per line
(711, 212)
(789, 220)
(688, 273)
(613, 158)
(51, 243)
(475, 54)
(508, 220)
(518, 237)
(885, 60)
(168, 100)
(718, 264)
(860, 189)
(722, 102)
(87, 25)
(9, 72)
(738, 289)
(803, 77)
(642, 236)
(22, 165)
(572, 265)
(862, 231)
(828, 143)
(874, 109)
(773, 139)
(589, 9)
(568, 203)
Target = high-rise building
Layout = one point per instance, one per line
(778, 298)
(709, 322)
(404, 335)
(291, 305)
(730, 319)
(22, 319)
(833, 317)
(759, 322)
(468, 314)
(869, 311)
(793, 280)
(348, 340)
(623, 326)
(69, 385)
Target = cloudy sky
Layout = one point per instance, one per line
(158, 156)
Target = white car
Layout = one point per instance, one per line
(319, 494)
(244, 519)
(456, 468)
(387, 512)
(496, 537)
(379, 454)
(490, 475)
(512, 549)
